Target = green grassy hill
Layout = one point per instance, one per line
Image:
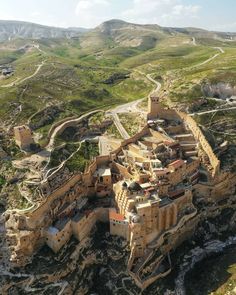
(77, 74)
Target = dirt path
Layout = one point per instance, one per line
(55, 169)
(209, 59)
(19, 81)
(213, 111)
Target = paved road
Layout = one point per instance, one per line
(127, 107)
(220, 49)
(131, 107)
(213, 111)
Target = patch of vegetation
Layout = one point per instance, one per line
(45, 117)
(61, 154)
(82, 158)
(112, 131)
(132, 123)
(2, 181)
(116, 77)
(96, 119)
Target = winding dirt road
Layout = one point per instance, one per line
(211, 58)
(19, 81)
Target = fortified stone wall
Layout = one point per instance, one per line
(192, 125)
(63, 190)
(54, 126)
(223, 186)
(133, 139)
(82, 185)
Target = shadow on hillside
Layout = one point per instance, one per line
(212, 274)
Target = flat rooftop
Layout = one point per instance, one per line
(52, 230)
(146, 185)
(165, 201)
(60, 224)
(104, 171)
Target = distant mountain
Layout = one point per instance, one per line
(115, 33)
(17, 29)
(201, 33)
(111, 32)
(118, 33)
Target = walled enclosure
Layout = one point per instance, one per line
(28, 230)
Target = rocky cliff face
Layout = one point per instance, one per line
(15, 29)
(98, 265)
(220, 90)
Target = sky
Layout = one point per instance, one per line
(208, 14)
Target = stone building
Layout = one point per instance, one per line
(119, 225)
(154, 107)
(144, 189)
(59, 234)
(23, 137)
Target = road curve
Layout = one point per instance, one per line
(211, 58)
(131, 106)
(158, 85)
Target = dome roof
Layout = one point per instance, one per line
(136, 219)
(134, 187)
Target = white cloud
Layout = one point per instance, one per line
(185, 10)
(91, 12)
(163, 12)
(145, 8)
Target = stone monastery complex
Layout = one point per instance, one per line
(146, 189)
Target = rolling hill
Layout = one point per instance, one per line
(69, 68)
(17, 29)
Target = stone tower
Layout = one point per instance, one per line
(23, 136)
(154, 107)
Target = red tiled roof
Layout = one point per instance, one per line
(116, 216)
(161, 171)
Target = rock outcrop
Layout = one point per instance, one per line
(220, 90)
